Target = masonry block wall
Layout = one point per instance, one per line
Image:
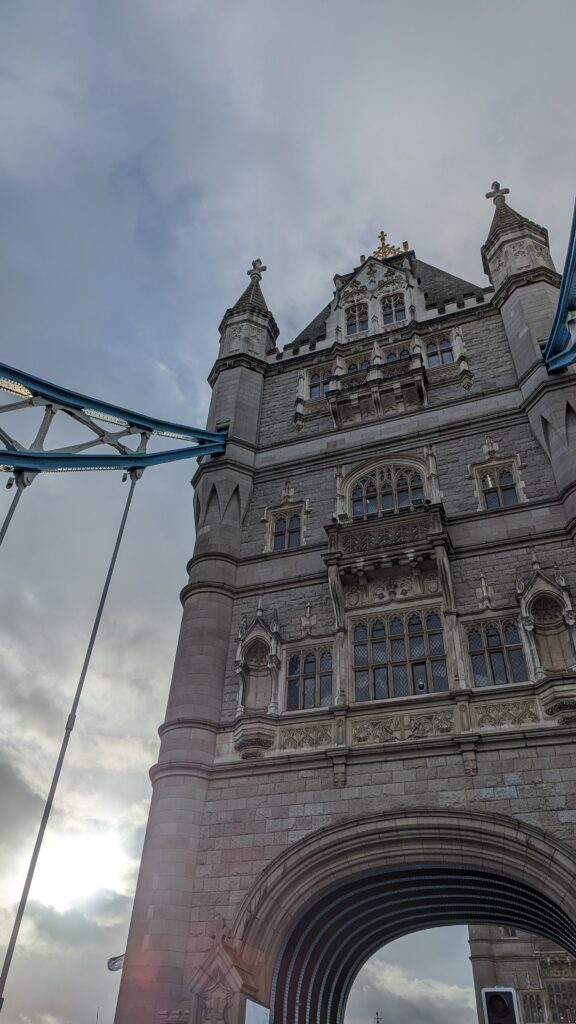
(379, 612)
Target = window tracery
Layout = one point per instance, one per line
(496, 654)
(499, 488)
(309, 679)
(286, 533)
(439, 353)
(399, 655)
(386, 490)
(356, 318)
(393, 309)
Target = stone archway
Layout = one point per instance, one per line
(329, 902)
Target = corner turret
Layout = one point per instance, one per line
(515, 245)
(249, 327)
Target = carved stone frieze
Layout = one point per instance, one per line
(506, 713)
(384, 536)
(436, 724)
(556, 967)
(306, 736)
(564, 710)
(377, 730)
(401, 588)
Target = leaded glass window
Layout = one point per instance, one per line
(386, 490)
(562, 999)
(439, 353)
(499, 488)
(399, 656)
(326, 378)
(357, 318)
(496, 654)
(309, 680)
(393, 309)
(287, 532)
(315, 385)
(533, 1007)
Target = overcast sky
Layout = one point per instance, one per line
(150, 150)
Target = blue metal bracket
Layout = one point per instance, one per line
(93, 414)
(560, 348)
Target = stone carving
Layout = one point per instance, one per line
(556, 967)
(402, 588)
(504, 713)
(173, 1016)
(374, 540)
(355, 291)
(376, 730)
(470, 762)
(436, 724)
(306, 736)
(564, 710)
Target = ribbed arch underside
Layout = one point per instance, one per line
(347, 923)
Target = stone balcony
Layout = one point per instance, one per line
(366, 547)
(384, 390)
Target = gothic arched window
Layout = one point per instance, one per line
(286, 533)
(327, 377)
(352, 367)
(399, 657)
(391, 357)
(309, 680)
(404, 354)
(315, 385)
(496, 654)
(393, 309)
(439, 353)
(365, 364)
(386, 490)
(499, 488)
(357, 318)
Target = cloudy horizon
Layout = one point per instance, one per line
(150, 152)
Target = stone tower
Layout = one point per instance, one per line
(371, 723)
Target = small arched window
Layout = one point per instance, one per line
(439, 353)
(499, 488)
(287, 532)
(352, 367)
(496, 655)
(365, 364)
(309, 683)
(404, 354)
(356, 318)
(327, 377)
(392, 357)
(393, 309)
(386, 491)
(315, 385)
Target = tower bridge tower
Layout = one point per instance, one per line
(371, 723)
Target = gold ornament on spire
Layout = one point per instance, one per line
(385, 250)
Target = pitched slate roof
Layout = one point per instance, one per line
(438, 286)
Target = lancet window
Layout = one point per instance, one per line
(385, 491)
(439, 353)
(533, 1006)
(496, 654)
(399, 656)
(309, 680)
(356, 318)
(562, 998)
(287, 532)
(393, 309)
(319, 384)
(499, 488)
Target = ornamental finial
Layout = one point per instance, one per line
(497, 194)
(258, 268)
(384, 249)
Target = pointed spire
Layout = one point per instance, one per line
(252, 298)
(505, 218)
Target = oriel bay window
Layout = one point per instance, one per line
(496, 654)
(399, 656)
(309, 680)
(386, 490)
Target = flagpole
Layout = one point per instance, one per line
(134, 475)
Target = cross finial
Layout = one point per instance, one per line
(497, 193)
(384, 250)
(258, 269)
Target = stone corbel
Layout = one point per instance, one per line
(461, 359)
(298, 418)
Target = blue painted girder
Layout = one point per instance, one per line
(28, 386)
(560, 351)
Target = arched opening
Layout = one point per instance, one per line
(348, 922)
(323, 907)
(553, 640)
(257, 678)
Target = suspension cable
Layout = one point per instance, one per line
(134, 476)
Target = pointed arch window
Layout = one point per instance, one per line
(287, 532)
(439, 353)
(496, 654)
(326, 378)
(393, 309)
(309, 679)
(399, 656)
(315, 385)
(385, 491)
(499, 488)
(357, 318)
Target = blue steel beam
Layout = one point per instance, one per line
(75, 400)
(30, 388)
(560, 348)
